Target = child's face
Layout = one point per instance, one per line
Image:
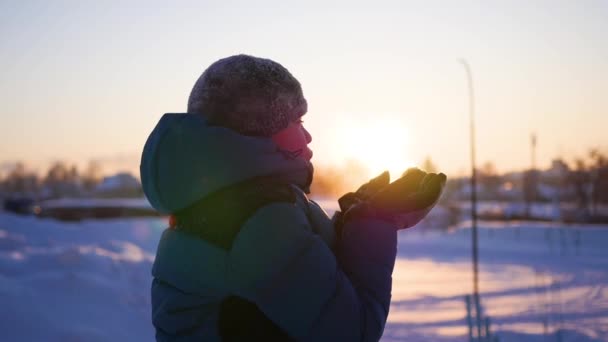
(294, 138)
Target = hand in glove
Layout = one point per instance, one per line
(365, 192)
(358, 198)
(405, 202)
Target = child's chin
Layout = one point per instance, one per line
(307, 154)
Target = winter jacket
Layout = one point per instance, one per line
(284, 259)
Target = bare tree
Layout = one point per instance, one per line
(92, 175)
(62, 180)
(20, 180)
(579, 179)
(334, 181)
(489, 179)
(530, 188)
(599, 178)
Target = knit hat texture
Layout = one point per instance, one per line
(253, 96)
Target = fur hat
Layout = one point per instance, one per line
(253, 96)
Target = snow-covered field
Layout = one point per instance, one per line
(89, 281)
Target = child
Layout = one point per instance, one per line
(248, 256)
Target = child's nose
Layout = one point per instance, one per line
(307, 135)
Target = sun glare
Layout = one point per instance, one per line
(381, 145)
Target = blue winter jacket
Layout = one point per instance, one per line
(286, 257)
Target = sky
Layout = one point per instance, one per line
(84, 80)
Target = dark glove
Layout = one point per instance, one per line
(405, 202)
(365, 191)
(358, 198)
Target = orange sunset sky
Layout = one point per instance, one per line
(88, 80)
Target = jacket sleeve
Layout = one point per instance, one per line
(291, 274)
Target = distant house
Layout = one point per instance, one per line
(120, 185)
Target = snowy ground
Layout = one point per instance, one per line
(89, 281)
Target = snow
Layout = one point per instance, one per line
(536, 280)
(86, 281)
(90, 280)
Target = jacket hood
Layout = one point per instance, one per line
(185, 159)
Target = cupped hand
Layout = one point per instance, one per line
(365, 191)
(409, 199)
(404, 202)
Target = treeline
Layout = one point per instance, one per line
(582, 181)
(64, 180)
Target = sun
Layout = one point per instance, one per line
(379, 145)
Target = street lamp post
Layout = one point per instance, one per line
(467, 68)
